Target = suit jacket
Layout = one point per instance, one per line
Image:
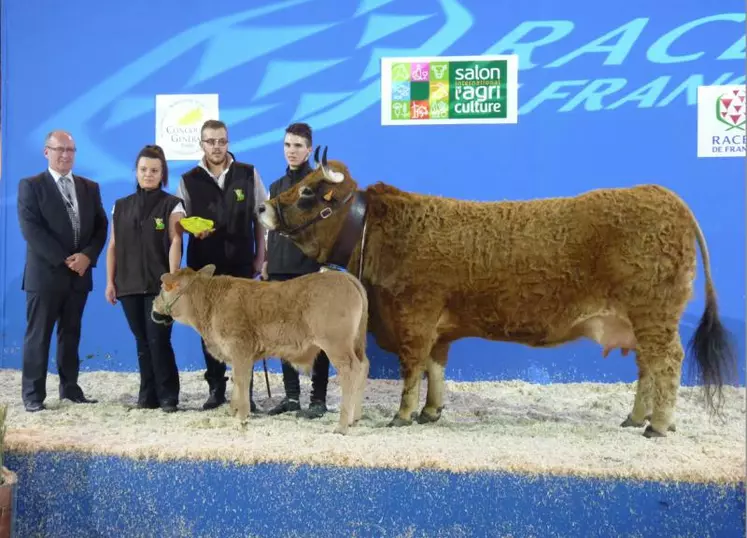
(49, 233)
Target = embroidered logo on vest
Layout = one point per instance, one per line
(239, 194)
(159, 223)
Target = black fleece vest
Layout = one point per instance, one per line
(141, 241)
(231, 246)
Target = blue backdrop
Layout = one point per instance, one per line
(607, 98)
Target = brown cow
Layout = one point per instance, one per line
(244, 320)
(613, 265)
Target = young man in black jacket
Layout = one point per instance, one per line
(228, 192)
(286, 261)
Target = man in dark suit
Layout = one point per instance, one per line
(64, 225)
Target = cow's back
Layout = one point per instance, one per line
(528, 264)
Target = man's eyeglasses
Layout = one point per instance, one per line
(62, 150)
(213, 142)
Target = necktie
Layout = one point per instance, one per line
(67, 193)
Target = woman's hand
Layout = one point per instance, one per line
(111, 294)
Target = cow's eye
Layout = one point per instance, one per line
(306, 192)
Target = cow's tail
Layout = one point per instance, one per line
(363, 323)
(711, 344)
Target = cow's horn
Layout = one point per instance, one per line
(316, 155)
(329, 174)
(333, 176)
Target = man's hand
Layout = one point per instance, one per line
(78, 262)
(203, 235)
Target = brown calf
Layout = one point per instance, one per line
(612, 265)
(243, 320)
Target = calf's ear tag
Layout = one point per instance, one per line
(328, 196)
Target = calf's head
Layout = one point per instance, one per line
(312, 212)
(171, 303)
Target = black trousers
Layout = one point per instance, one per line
(319, 372)
(159, 375)
(215, 370)
(43, 311)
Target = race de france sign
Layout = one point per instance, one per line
(721, 121)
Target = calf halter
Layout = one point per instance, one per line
(168, 305)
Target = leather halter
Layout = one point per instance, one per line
(326, 212)
(350, 233)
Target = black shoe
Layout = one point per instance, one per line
(147, 404)
(216, 399)
(169, 408)
(33, 407)
(217, 396)
(315, 410)
(80, 399)
(285, 406)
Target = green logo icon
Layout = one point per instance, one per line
(440, 71)
(159, 223)
(400, 72)
(477, 89)
(239, 194)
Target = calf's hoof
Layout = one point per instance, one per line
(428, 417)
(651, 433)
(341, 429)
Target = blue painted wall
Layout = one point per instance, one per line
(90, 496)
(607, 98)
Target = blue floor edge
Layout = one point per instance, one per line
(82, 495)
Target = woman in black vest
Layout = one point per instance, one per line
(145, 242)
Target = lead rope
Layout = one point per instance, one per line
(363, 246)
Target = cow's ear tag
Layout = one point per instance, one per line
(329, 195)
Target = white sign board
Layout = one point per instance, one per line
(442, 90)
(178, 122)
(721, 121)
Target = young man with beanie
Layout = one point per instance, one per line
(286, 261)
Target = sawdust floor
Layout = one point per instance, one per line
(560, 429)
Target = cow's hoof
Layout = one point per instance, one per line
(342, 430)
(427, 418)
(397, 421)
(651, 433)
(672, 427)
(630, 423)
